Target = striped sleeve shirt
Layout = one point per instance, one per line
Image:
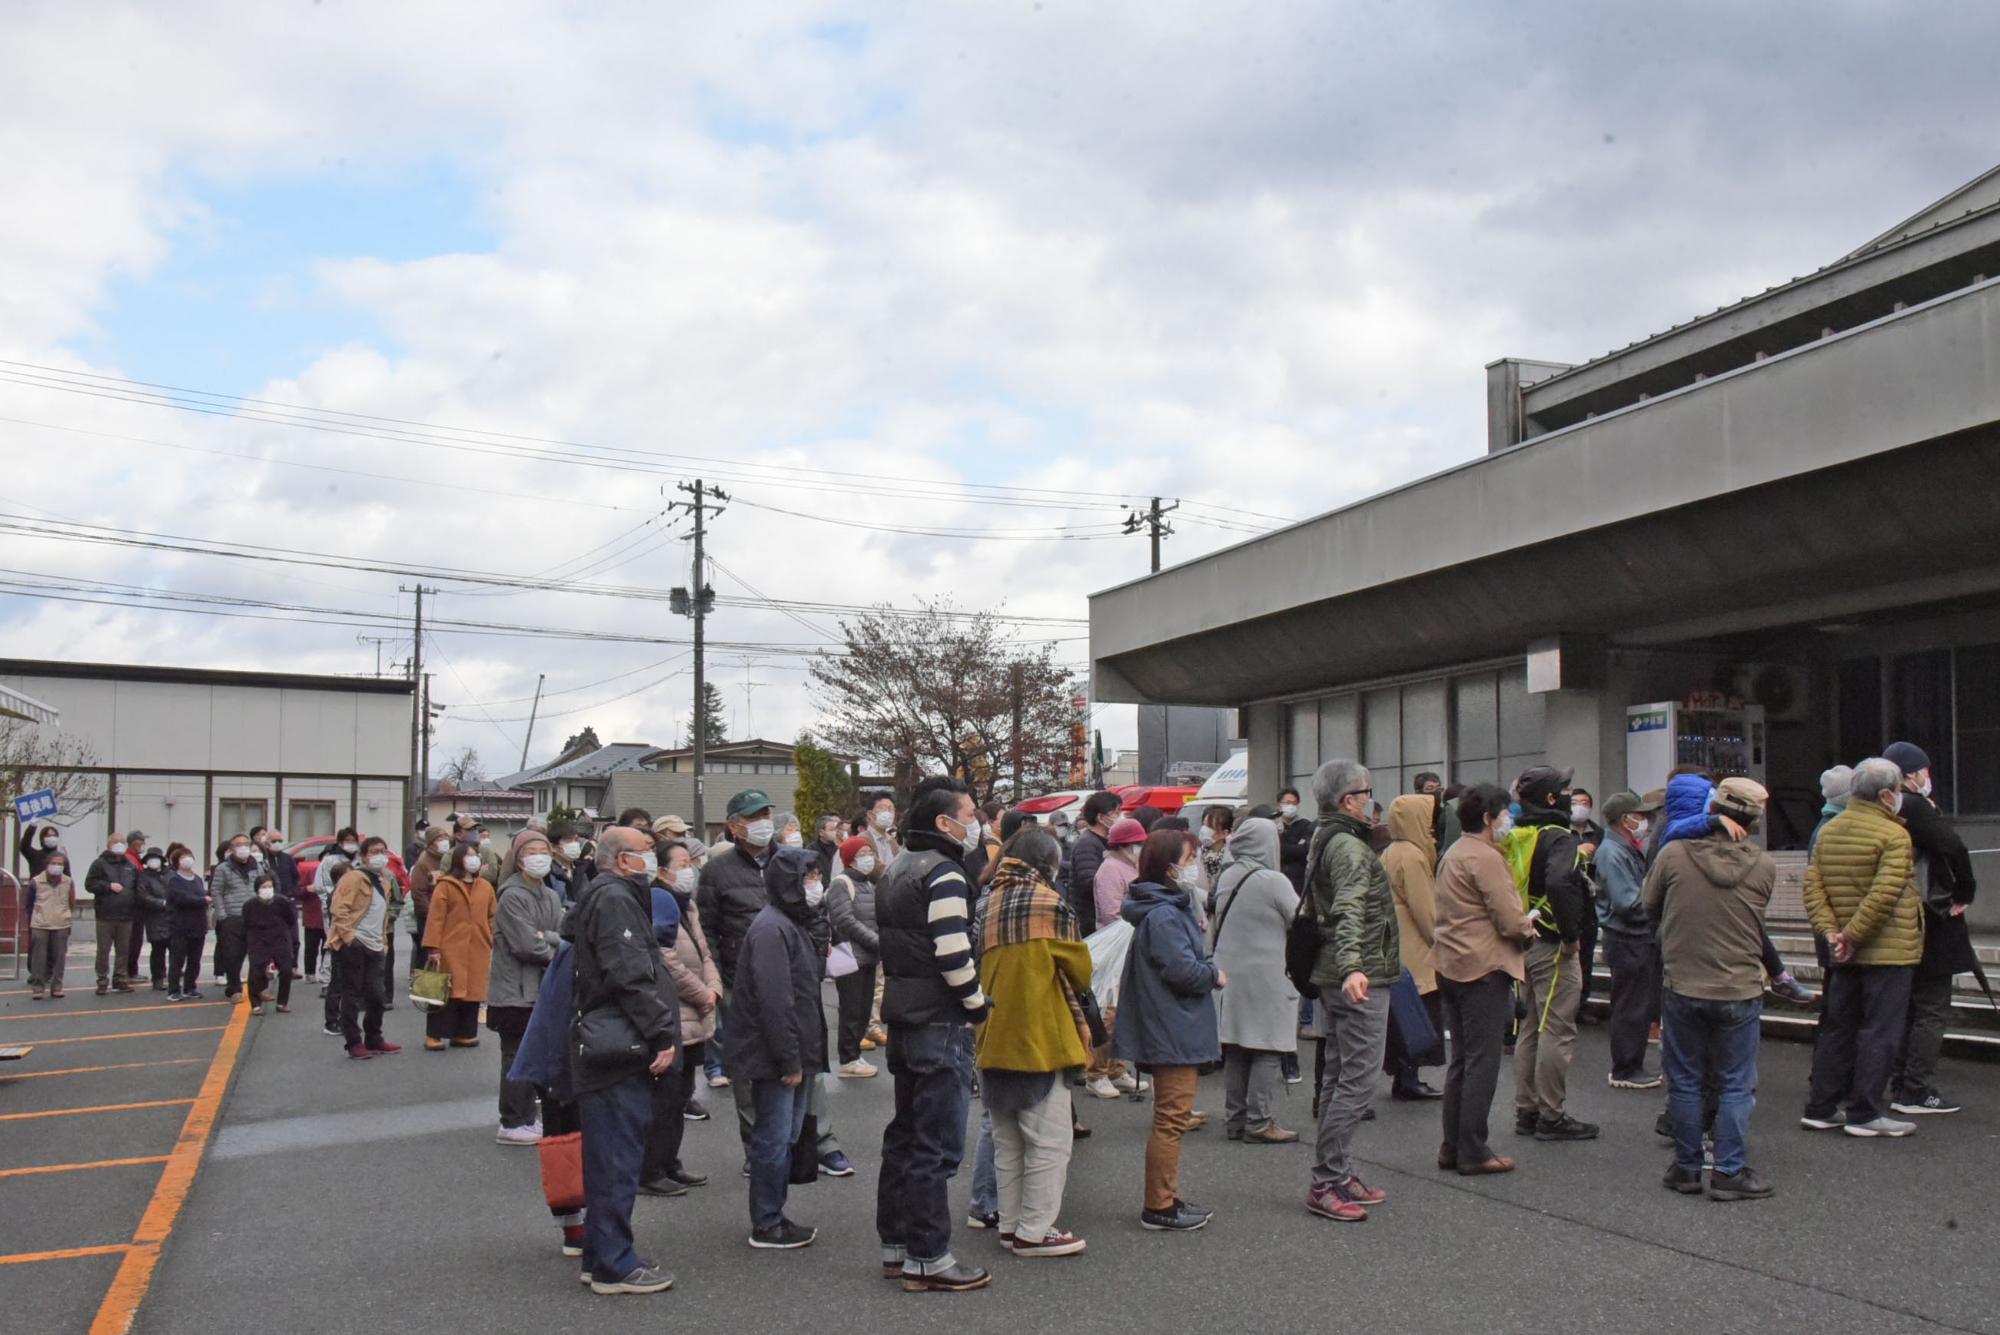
(949, 919)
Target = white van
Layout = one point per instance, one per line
(1228, 786)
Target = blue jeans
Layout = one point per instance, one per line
(985, 1176)
(1721, 1036)
(614, 1122)
(781, 1115)
(711, 1057)
(925, 1140)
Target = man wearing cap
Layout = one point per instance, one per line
(731, 893)
(1709, 896)
(1944, 878)
(1557, 897)
(1630, 948)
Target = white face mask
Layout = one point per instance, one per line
(758, 833)
(485, 842)
(1925, 786)
(651, 860)
(241, 854)
(51, 840)
(1579, 812)
(440, 846)
(471, 863)
(970, 839)
(687, 878)
(1896, 801)
(865, 864)
(187, 866)
(378, 861)
(257, 853)
(1503, 825)
(1288, 808)
(815, 892)
(265, 892)
(350, 849)
(884, 819)
(794, 840)
(537, 864)
(1641, 830)
(572, 850)
(53, 871)
(1206, 834)
(117, 850)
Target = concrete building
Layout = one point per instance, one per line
(1765, 538)
(194, 756)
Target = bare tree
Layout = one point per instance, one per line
(464, 767)
(941, 691)
(34, 757)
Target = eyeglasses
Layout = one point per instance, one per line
(1357, 792)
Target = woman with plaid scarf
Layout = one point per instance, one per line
(1033, 967)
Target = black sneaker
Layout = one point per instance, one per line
(1565, 1128)
(643, 1279)
(786, 1237)
(982, 1219)
(1743, 1186)
(695, 1111)
(954, 1278)
(1928, 1103)
(1663, 1126)
(1183, 1218)
(687, 1179)
(1525, 1123)
(662, 1186)
(1687, 1181)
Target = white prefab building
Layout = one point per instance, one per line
(194, 756)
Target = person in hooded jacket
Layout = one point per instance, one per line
(187, 926)
(152, 921)
(1836, 789)
(777, 1036)
(1257, 1020)
(51, 907)
(270, 932)
(1411, 861)
(458, 938)
(850, 910)
(1166, 1017)
(698, 991)
(527, 927)
(1558, 898)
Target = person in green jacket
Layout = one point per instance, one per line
(1359, 958)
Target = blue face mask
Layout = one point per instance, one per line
(1514, 810)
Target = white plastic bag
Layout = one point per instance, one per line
(840, 961)
(1109, 945)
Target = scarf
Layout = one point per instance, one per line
(1023, 906)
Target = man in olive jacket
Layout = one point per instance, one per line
(1861, 895)
(1359, 959)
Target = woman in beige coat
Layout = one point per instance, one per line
(1408, 859)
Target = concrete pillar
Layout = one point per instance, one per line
(1265, 725)
(1573, 737)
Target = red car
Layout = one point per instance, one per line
(1163, 799)
(308, 852)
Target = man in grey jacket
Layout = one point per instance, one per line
(231, 885)
(1630, 949)
(1087, 854)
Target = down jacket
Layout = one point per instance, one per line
(692, 966)
(730, 895)
(1860, 883)
(1354, 903)
(527, 928)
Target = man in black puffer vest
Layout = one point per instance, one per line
(930, 1000)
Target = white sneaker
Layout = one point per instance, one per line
(856, 1070)
(1131, 1084)
(1101, 1087)
(718, 1082)
(519, 1136)
(1881, 1126)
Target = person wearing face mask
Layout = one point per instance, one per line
(357, 936)
(1478, 940)
(1631, 948)
(826, 847)
(458, 938)
(113, 885)
(1411, 861)
(1862, 896)
(1295, 833)
(51, 908)
(697, 992)
(152, 925)
(188, 903)
(230, 886)
(489, 856)
(1257, 1018)
(1558, 898)
(270, 933)
(731, 894)
(39, 843)
(850, 908)
(314, 895)
(527, 927)
(878, 822)
(423, 885)
(1589, 834)
(790, 833)
(567, 873)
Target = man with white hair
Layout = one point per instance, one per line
(1861, 895)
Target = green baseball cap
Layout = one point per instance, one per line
(748, 803)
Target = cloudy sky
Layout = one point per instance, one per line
(470, 288)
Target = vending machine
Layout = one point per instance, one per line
(1721, 734)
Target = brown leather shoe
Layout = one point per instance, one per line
(1271, 1135)
(1499, 1163)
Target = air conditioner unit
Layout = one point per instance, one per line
(1784, 689)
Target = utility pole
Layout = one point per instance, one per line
(1153, 518)
(697, 601)
(420, 716)
(533, 710)
(1014, 691)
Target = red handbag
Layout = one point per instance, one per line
(562, 1170)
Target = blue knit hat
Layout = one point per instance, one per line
(1909, 757)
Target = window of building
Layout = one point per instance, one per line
(240, 815)
(1978, 770)
(309, 818)
(1941, 699)
(1471, 728)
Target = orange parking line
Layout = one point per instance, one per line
(139, 1033)
(78, 1167)
(95, 1108)
(115, 1010)
(93, 1070)
(135, 1273)
(64, 1254)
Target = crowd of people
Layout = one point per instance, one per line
(1450, 927)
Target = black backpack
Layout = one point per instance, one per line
(1303, 939)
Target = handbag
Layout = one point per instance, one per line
(562, 1170)
(605, 1036)
(1418, 1036)
(430, 987)
(805, 1152)
(1303, 939)
(840, 961)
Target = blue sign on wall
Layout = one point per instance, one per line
(36, 806)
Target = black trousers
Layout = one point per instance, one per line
(184, 949)
(856, 993)
(1477, 1014)
(1586, 951)
(517, 1097)
(1923, 1034)
(230, 951)
(671, 1093)
(357, 972)
(455, 1020)
(1635, 999)
(416, 953)
(315, 940)
(259, 980)
(1860, 1040)
(142, 933)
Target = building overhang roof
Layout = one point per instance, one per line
(15, 705)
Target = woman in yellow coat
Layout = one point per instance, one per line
(458, 938)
